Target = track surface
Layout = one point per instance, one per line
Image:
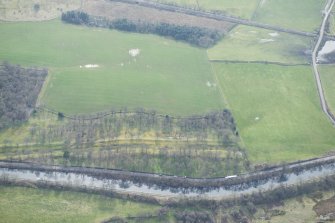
(323, 101)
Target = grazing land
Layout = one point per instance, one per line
(253, 44)
(327, 73)
(20, 204)
(242, 8)
(291, 14)
(277, 111)
(167, 76)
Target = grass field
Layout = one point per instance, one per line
(167, 76)
(18, 204)
(328, 81)
(291, 14)
(277, 111)
(241, 8)
(253, 44)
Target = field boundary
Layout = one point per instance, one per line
(216, 16)
(99, 115)
(258, 62)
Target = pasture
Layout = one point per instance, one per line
(241, 8)
(291, 14)
(20, 204)
(253, 44)
(327, 73)
(277, 111)
(168, 76)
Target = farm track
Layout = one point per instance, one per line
(210, 15)
(323, 100)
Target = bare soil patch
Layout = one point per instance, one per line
(326, 208)
(117, 10)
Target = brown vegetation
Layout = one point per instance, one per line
(326, 208)
(117, 10)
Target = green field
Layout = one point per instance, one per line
(19, 204)
(241, 8)
(327, 73)
(277, 111)
(298, 14)
(168, 76)
(253, 44)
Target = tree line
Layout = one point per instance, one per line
(198, 36)
(19, 89)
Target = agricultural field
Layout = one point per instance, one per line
(291, 14)
(277, 111)
(20, 204)
(93, 70)
(327, 73)
(242, 8)
(30, 10)
(245, 43)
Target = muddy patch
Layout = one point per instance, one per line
(326, 209)
(35, 10)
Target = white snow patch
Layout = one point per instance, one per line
(262, 3)
(209, 84)
(329, 47)
(89, 66)
(274, 34)
(134, 52)
(266, 40)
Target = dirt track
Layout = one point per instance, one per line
(323, 101)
